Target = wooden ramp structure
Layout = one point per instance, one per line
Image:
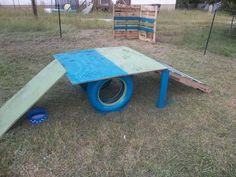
(23, 100)
(187, 80)
(88, 66)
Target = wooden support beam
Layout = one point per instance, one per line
(191, 83)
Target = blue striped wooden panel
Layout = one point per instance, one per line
(150, 20)
(126, 18)
(126, 27)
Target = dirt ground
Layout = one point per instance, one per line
(193, 136)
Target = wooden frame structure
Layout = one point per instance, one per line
(148, 16)
(82, 67)
(88, 66)
(135, 22)
(102, 4)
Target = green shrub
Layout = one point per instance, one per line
(229, 5)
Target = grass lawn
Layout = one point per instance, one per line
(193, 136)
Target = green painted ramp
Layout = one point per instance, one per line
(14, 108)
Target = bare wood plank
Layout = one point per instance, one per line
(155, 25)
(147, 8)
(191, 83)
(187, 80)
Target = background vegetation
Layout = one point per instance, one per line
(226, 4)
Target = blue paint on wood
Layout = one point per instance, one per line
(129, 27)
(149, 20)
(126, 27)
(88, 65)
(141, 28)
(126, 18)
(162, 102)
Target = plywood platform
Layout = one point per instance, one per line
(102, 63)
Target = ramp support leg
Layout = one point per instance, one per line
(162, 101)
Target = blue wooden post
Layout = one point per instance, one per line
(162, 102)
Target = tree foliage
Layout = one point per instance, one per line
(227, 4)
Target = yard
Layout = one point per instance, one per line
(193, 136)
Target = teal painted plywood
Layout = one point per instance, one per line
(87, 66)
(23, 100)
